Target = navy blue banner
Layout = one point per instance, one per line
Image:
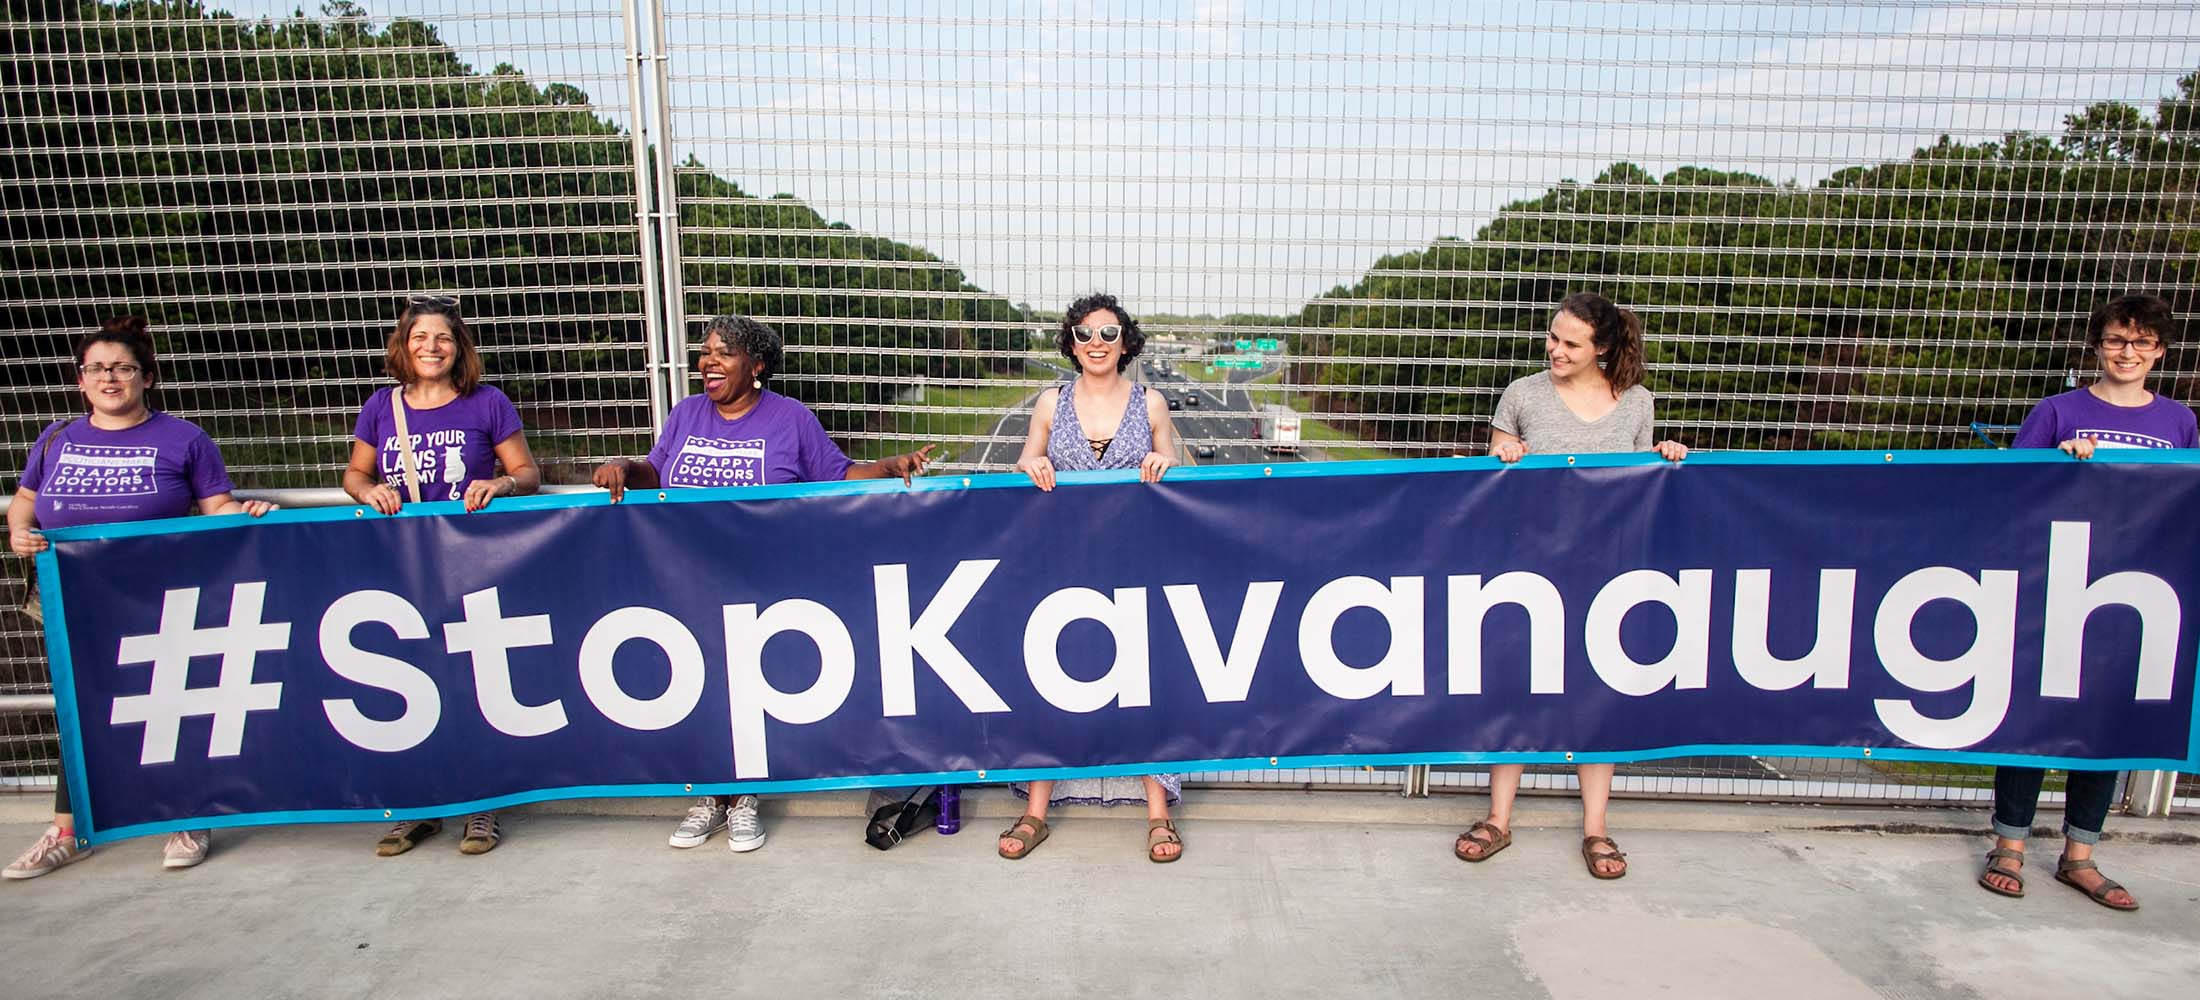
(335, 664)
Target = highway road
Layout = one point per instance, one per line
(1223, 418)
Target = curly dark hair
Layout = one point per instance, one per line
(2143, 313)
(1134, 339)
(761, 343)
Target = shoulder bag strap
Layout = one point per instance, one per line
(405, 457)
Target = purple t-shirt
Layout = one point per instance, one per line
(160, 468)
(2162, 423)
(780, 441)
(453, 445)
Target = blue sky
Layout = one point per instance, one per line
(1222, 155)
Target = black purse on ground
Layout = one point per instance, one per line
(897, 820)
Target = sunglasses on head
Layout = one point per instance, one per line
(1108, 334)
(432, 299)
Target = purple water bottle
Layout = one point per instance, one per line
(951, 819)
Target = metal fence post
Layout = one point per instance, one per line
(671, 260)
(2151, 792)
(653, 313)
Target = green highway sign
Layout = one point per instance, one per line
(1244, 345)
(1237, 362)
(1266, 344)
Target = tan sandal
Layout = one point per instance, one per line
(2099, 894)
(1495, 841)
(1590, 856)
(1025, 842)
(1994, 866)
(1159, 832)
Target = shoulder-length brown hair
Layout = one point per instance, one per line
(397, 361)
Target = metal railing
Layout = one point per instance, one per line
(1865, 224)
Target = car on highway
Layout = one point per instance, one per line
(1191, 398)
(1174, 403)
(1203, 450)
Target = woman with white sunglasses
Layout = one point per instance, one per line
(1099, 420)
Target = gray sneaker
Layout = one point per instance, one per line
(704, 818)
(743, 832)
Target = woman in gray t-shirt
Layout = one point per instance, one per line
(1591, 399)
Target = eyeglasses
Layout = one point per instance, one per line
(2143, 344)
(432, 299)
(122, 373)
(1108, 334)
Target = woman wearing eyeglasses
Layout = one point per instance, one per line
(120, 461)
(438, 434)
(740, 433)
(1098, 420)
(2128, 336)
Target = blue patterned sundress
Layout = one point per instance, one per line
(1071, 451)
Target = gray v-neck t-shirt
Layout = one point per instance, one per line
(1531, 411)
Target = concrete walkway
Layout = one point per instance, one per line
(1279, 894)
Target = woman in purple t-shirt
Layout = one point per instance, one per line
(121, 461)
(738, 433)
(438, 434)
(2128, 336)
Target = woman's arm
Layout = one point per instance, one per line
(1506, 447)
(23, 536)
(226, 503)
(619, 474)
(905, 467)
(363, 479)
(1163, 455)
(1033, 461)
(521, 477)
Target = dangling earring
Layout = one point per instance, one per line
(756, 383)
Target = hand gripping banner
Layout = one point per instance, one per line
(334, 664)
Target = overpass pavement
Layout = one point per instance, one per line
(1279, 894)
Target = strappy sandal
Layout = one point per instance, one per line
(1590, 856)
(482, 834)
(406, 836)
(2099, 894)
(1497, 840)
(1994, 856)
(1159, 832)
(1025, 842)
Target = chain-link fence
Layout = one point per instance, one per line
(1846, 224)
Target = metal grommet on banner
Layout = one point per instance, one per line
(385, 814)
(361, 512)
(966, 481)
(1569, 756)
(1890, 456)
(1569, 460)
(1867, 751)
(1271, 762)
(660, 495)
(981, 774)
(689, 787)
(1268, 471)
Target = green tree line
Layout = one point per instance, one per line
(1887, 306)
(266, 192)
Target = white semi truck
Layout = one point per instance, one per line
(1279, 429)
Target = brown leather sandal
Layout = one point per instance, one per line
(1495, 840)
(1159, 832)
(1994, 866)
(1025, 842)
(1590, 856)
